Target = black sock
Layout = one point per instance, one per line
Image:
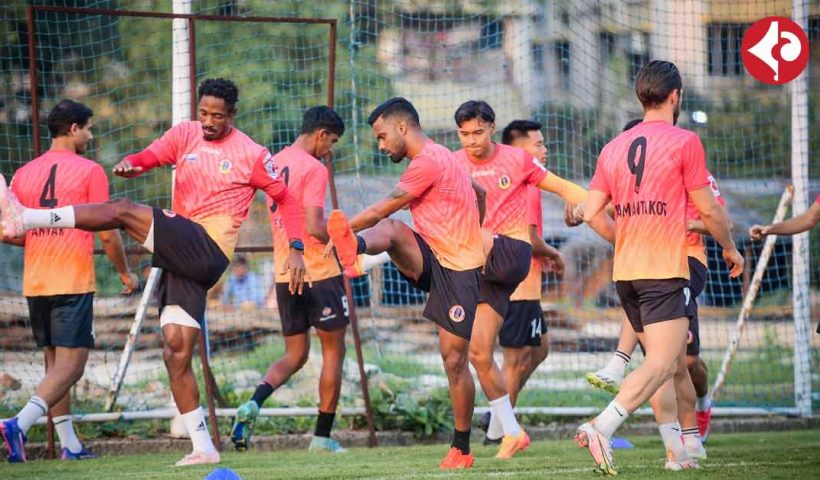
(324, 422)
(361, 247)
(262, 392)
(461, 440)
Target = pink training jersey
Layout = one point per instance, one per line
(530, 287)
(59, 261)
(505, 177)
(216, 180)
(444, 210)
(695, 247)
(648, 172)
(307, 180)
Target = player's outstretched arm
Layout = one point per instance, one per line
(136, 164)
(716, 220)
(799, 224)
(114, 250)
(568, 191)
(385, 207)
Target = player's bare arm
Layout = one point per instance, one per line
(546, 252)
(697, 226)
(801, 223)
(316, 224)
(717, 223)
(126, 169)
(596, 201)
(112, 245)
(394, 202)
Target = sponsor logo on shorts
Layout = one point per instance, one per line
(225, 166)
(688, 294)
(504, 182)
(327, 314)
(169, 213)
(457, 313)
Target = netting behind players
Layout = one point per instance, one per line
(569, 65)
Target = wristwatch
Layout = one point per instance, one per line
(297, 245)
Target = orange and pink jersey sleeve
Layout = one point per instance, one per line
(216, 180)
(59, 261)
(444, 208)
(307, 181)
(648, 172)
(506, 178)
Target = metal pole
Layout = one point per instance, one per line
(800, 242)
(334, 199)
(33, 84)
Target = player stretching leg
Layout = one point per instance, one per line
(218, 170)
(505, 173)
(60, 292)
(322, 304)
(664, 165)
(523, 334)
(441, 256)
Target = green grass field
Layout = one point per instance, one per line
(777, 455)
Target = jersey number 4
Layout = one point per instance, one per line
(47, 198)
(637, 168)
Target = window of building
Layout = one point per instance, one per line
(563, 57)
(724, 48)
(606, 45)
(492, 33)
(538, 57)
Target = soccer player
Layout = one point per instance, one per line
(610, 377)
(505, 173)
(58, 274)
(441, 256)
(218, 170)
(799, 224)
(323, 304)
(647, 172)
(523, 334)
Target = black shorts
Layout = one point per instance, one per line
(523, 325)
(324, 305)
(62, 320)
(508, 264)
(191, 261)
(697, 282)
(453, 294)
(652, 301)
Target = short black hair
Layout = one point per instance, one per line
(322, 118)
(395, 106)
(628, 125)
(65, 114)
(656, 81)
(518, 129)
(474, 109)
(220, 88)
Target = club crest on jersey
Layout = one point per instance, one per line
(225, 166)
(504, 182)
(169, 213)
(270, 167)
(457, 313)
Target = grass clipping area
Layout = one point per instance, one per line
(771, 455)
